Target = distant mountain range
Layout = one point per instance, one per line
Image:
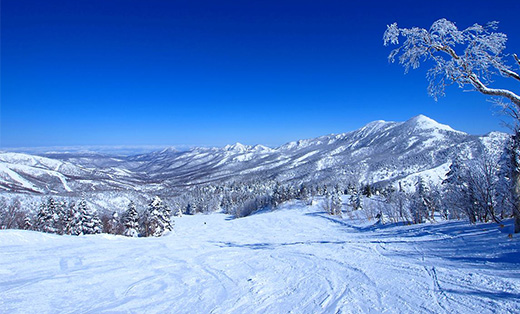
(380, 152)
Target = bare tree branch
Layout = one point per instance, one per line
(514, 98)
(512, 74)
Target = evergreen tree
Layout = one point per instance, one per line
(112, 224)
(27, 224)
(355, 200)
(46, 217)
(69, 218)
(422, 202)
(158, 218)
(60, 217)
(336, 204)
(367, 190)
(278, 195)
(85, 221)
(304, 194)
(131, 221)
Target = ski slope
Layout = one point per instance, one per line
(294, 260)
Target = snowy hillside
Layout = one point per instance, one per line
(294, 260)
(380, 152)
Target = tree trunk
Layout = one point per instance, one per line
(516, 201)
(516, 180)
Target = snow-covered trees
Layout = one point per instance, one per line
(112, 223)
(332, 202)
(463, 57)
(47, 216)
(515, 176)
(131, 221)
(422, 202)
(469, 57)
(158, 218)
(86, 221)
(65, 216)
(12, 216)
(336, 204)
(61, 217)
(474, 188)
(355, 199)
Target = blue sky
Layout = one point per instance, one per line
(217, 72)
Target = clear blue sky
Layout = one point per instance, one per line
(106, 72)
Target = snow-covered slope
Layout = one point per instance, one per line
(36, 174)
(378, 152)
(381, 151)
(294, 260)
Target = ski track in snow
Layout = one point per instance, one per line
(294, 260)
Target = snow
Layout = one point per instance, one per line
(301, 160)
(425, 123)
(237, 147)
(432, 176)
(294, 260)
(5, 172)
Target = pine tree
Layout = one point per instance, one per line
(85, 221)
(27, 223)
(158, 218)
(69, 218)
(45, 219)
(112, 223)
(355, 200)
(303, 194)
(131, 221)
(60, 217)
(336, 204)
(422, 202)
(367, 190)
(278, 195)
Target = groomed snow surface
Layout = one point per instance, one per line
(294, 260)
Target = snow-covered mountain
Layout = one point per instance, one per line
(379, 152)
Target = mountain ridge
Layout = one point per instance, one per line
(379, 152)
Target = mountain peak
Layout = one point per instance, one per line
(425, 123)
(238, 147)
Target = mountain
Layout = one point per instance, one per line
(380, 152)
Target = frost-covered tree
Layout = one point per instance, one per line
(60, 219)
(46, 218)
(367, 190)
(515, 174)
(422, 202)
(86, 221)
(399, 201)
(112, 223)
(303, 193)
(131, 221)
(27, 223)
(355, 199)
(336, 204)
(70, 218)
(463, 57)
(278, 195)
(332, 203)
(158, 218)
(12, 216)
(468, 57)
(476, 189)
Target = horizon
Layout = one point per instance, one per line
(127, 150)
(200, 74)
